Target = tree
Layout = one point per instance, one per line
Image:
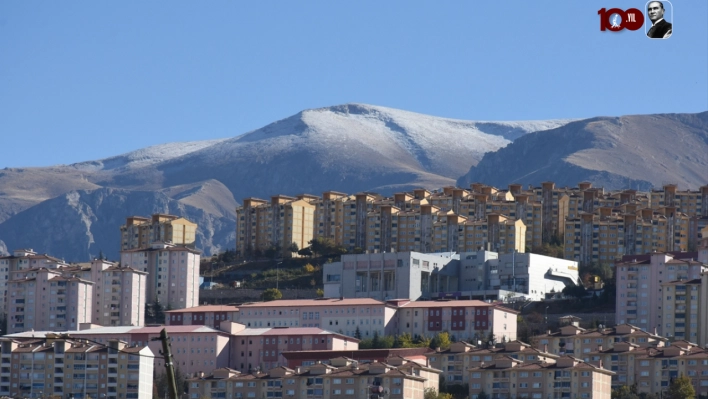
(431, 393)
(482, 395)
(161, 383)
(293, 247)
(404, 341)
(575, 291)
(305, 252)
(320, 292)
(357, 333)
(441, 340)
(308, 268)
(680, 388)
(623, 392)
(376, 341)
(271, 294)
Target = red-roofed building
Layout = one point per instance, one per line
(207, 315)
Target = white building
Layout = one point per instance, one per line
(473, 275)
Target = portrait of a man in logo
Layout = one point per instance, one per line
(659, 17)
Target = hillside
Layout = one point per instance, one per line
(637, 151)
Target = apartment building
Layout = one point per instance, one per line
(140, 232)
(22, 259)
(261, 348)
(64, 368)
(44, 299)
(342, 378)
(460, 356)
(206, 315)
(640, 292)
(473, 275)
(565, 377)
(576, 341)
(471, 320)
(303, 358)
(681, 309)
(694, 203)
(172, 273)
(606, 235)
(344, 316)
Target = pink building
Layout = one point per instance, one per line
(639, 290)
(470, 320)
(22, 259)
(44, 299)
(307, 358)
(344, 316)
(262, 348)
(173, 273)
(207, 315)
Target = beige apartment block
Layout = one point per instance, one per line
(681, 309)
(640, 294)
(22, 259)
(579, 342)
(44, 299)
(565, 377)
(460, 356)
(694, 203)
(499, 233)
(172, 273)
(140, 232)
(62, 368)
(341, 378)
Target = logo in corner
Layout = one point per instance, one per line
(616, 19)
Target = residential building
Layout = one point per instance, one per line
(309, 357)
(58, 367)
(206, 315)
(576, 341)
(479, 275)
(118, 293)
(262, 348)
(44, 299)
(172, 273)
(140, 232)
(194, 348)
(565, 377)
(460, 356)
(344, 316)
(639, 287)
(681, 309)
(470, 320)
(22, 259)
(342, 378)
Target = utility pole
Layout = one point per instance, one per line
(169, 365)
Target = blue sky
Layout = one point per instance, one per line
(88, 80)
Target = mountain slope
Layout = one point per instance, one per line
(78, 225)
(638, 151)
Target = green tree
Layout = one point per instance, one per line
(441, 340)
(161, 383)
(293, 248)
(376, 341)
(624, 392)
(357, 333)
(482, 395)
(680, 388)
(404, 341)
(320, 292)
(431, 393)
(575, 291)
(271, 294)
(387, 341)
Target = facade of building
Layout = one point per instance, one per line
(172, 273)
(22, 259)
(140, 232)
(456, 360)
(481, 275)
(342, 378)
(565, 377)
(44, 299)
(681, 309)
(344, 316)
(206, 315)
(639, 288)
(66, 368)
(469, 320)
(308, 358)
(118, 293)
(262, 348)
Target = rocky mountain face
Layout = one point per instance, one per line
(638, 151)
(74, 211)
(78, 225)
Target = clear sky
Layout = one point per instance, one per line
(84, 80)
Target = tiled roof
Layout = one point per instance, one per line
(206, 308)
(314, 302)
